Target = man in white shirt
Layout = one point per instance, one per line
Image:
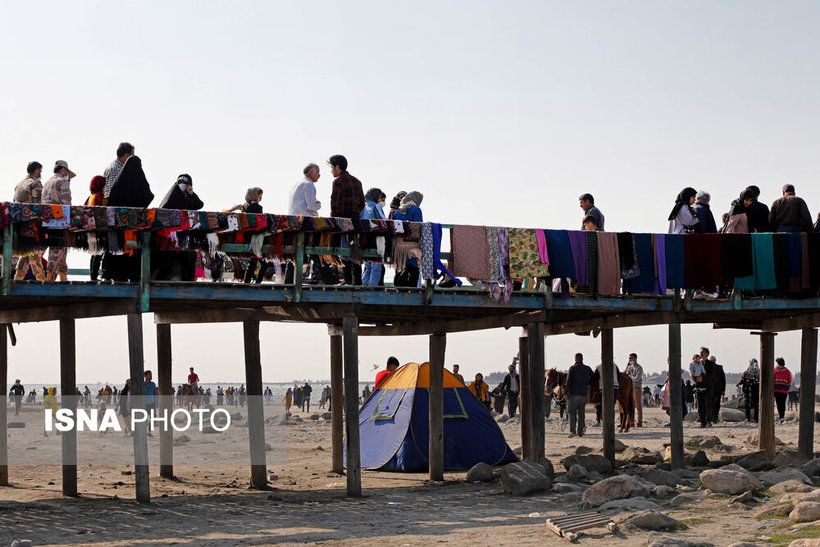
(303, 195)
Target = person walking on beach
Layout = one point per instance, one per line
(30, 190)
(481, 391)
(750, 388)
(782, 382)
(635, 372)
(587, 203)
(268, 395)
(288, 399)
(381, 376)
(457, 375)
(57, 191)
(124, 407)
(698, 373)
(511, 387)
(17, 391)
(306, 391)
(50, 404)
(577, 384)
(220, 395)
(346, 201)
(150, 391)
(718, 387)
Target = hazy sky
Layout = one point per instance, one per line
(500, 113)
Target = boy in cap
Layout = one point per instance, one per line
(57, 191)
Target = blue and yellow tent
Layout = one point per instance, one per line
(394, 425)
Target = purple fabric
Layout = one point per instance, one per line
(660, 260)
(578, 244)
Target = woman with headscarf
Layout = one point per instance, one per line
(408, 211)
(177, 265)
(182, 195)
(96, 199)
(394, 204)
(683, 218)
(252, 198)
(738, 222)
(130, 189)
(373, 203)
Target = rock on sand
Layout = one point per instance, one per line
(619, 487)
(723, 481)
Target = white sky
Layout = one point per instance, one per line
(499, 113)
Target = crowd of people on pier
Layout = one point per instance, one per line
(123, 184)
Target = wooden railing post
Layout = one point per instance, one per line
(436, 407)
(608, 394)
(675, 396)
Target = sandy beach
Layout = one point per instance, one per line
(213, 505)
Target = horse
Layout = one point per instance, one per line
(626, 402)
(191, 397)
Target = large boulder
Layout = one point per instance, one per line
(581, 450)
(788, 486)
(727, 481)
(789, 457)
(618, 487)
(659, 476)
(731, 415)
(523, 478)
(795, 497)
(640, 455)
(702, 441)
(811, 467)
(651, 520)
(480, 472)
(663, 492)
(549, 469)
(628, 505)
(754, 438)
(698, 459)
(756, 461)
(590, 462)
(805, 511)
(619, 446)
(577, 473)
(780, 510)
(783, 474)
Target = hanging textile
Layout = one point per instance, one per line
(578, 248)
(592, 262)
(737, 255)
(659, 241)
(562, 263)
(438, 267)
(628, 256)
(703, 262)
(806, 269)
(780, 255)
(543, 252)
(795, 261)
(525, 260)
(471, 252)
(645, 282)
(609, 264)
(763, 276)
(494, 257)
(675, 261)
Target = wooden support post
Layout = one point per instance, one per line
(535, 336)
(808, 378)
(523, 390)
(68, 393)
(4, 381)
(608, 394)
(766, 427)
(436, 406)
(256, 411)
(337, 401)
(675, 396)
(350, 343)
(136, 358)
(166, 436)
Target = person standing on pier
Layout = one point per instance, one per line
(30, 190)
(57, 191)
(683, 218)
(706, 220)
(124, 151)
(587, 203)
(757, 213)
(346, 201)
(790, 213)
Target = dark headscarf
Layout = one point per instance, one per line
(131, 188)
(374, 194)
(397, 200)
(177, 198)
(737, 205)
(682, 200)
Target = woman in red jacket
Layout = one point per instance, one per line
(782, 381)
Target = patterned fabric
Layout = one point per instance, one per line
(101, 218)
(213, 221)
(345, 224)
(61, 222)
(121, 217)
(427, 267)
(110, 175)
(494, 258)
(77, 216)
(112, 216)
(176, 218)
(471, 252)
(15, 210)
(525, 261)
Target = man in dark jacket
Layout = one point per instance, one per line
(757, 213)
(512, 387)
(718, 387)
(577, 384)
(790, 213)
(346, 201)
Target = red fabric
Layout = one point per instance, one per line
(381, 377)
(782, 379)
(704, 260)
